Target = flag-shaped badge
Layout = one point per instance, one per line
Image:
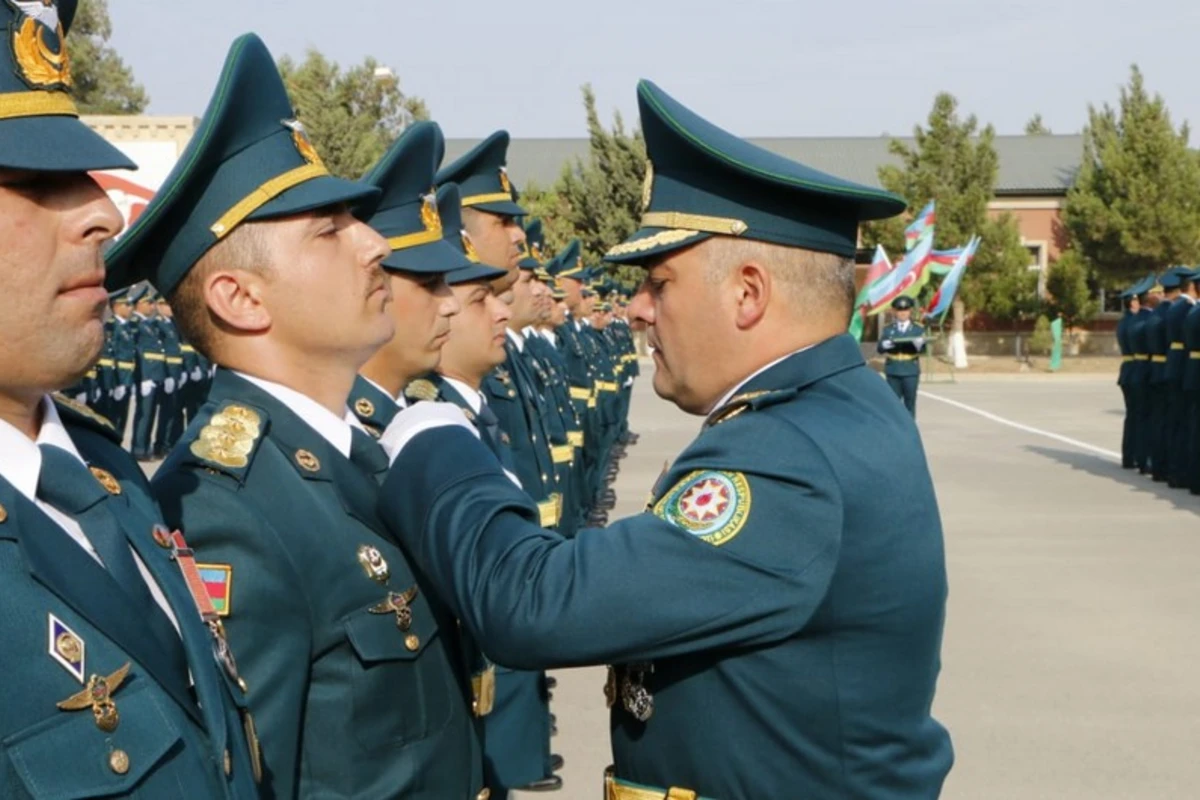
(218, 582)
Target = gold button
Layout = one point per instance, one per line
(242, 685)
(3, 513)
(412, 642)
(484, 794)
(119, 761)
(228, 763)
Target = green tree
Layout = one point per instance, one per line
(1070, 292)
(1135, 204)
(352, 115)
(600, 200)
(954, 162)
(1042, 339)
(1036, 127)
(102, 82)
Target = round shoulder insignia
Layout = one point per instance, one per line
(3, 513)
(307, 461)
(106, 480)
(364, 407)
(421, 390)
(710, 504)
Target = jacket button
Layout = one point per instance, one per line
(228, 763)
(484, 794)
(118, 760)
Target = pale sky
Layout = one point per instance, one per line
(756, 67)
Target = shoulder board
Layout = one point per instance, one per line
(229, 439)
(748, 401)
(76, 412)
(421, 389)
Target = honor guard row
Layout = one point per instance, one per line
(1159, 339)
(393, 621)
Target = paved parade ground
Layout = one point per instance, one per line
(1072, 646)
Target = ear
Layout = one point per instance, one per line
(753, 286)
(235, 297)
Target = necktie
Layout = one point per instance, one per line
(367, 454)
(66, 484)
(490, 424)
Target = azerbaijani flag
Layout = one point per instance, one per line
(942, 261)
(218, 581)
(911, 272)
(940, 303)
(924, 220)
(881, 265)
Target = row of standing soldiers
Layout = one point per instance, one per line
(1159, 339)
(146, 364)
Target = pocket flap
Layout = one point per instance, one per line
(67, 757)
(377, 637)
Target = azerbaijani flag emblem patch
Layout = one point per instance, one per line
(218, 582)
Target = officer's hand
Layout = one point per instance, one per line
(417, 419)
(119, 393)
(887, 344)
(169, 385)
(81, 398)
(183, 380)
(147, 388)
(197, 374)
(919, 342)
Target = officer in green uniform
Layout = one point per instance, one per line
(123, 345)
(169, 397)
(1175, 423)
(355, 672)
(1148, 294)
(150, 373)
(110, 688)
(1157, 344)
(422, 305)
(902, 342)
(1191, 394)
(1125, 344)
(774, 598)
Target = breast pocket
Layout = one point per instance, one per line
(67, 757)
(403, 684)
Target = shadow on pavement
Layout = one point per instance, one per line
(1101, 467)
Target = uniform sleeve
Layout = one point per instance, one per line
(270, 640)
(641, 589)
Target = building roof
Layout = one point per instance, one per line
(1029, 165)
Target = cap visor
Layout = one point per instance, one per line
(56, 144)
(475, 272)
(435, 257)
(505, 208)
(320, 192)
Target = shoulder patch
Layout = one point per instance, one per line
(421, 389)
(229, 438)
(712, 505)
(76, 412)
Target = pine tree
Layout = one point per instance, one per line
(352, 116)
(1070, 291)
(1135, 204)
(1036, 127)
(102, 82)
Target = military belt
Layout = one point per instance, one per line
(617, 789)
(580, 393)
(1127, 358)
(902, 357)
(105, 362)
(187, 348)
(1158, 359)
(1140, 357)
(575, 438)
(606, 386)
(550, 511)
(126, 365)
(1176, 345)
(174, 360)
(154, 356)
(562, 454)
(1194, 354)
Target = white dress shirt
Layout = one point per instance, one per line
(332, 428)
(729, 395)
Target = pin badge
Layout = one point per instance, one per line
(398, 603)
(66, 648)
(98, 695)
(373, 563)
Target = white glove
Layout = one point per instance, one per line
(919, 342)
(147, 388)
(119, 393)
(169, 385)
(197, 374)
(417, 419)
(887, 344)
(183, 380)
(81, 398)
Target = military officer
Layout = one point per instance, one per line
(151, 371)
(169, 398)
(1124, 343)
(903, 342)
(1175, 422)
(1191, 394)
(354, 671)
(768, 551)
(1148, 294)
(422, 303)
(1158, 344)
(110, 683)
(124, 350)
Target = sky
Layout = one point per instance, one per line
(755, 67)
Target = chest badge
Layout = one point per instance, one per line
(67, 648)
(98, 696)
(373, 563)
